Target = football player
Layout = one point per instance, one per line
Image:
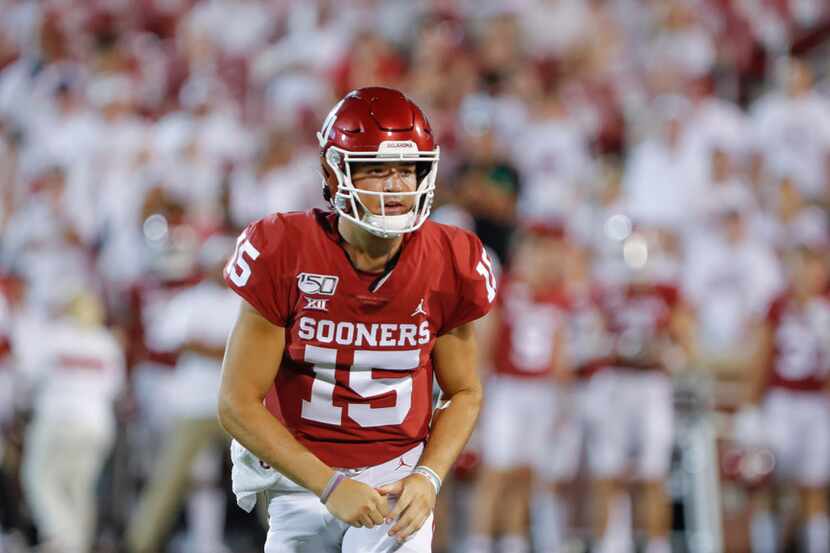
(347, 313)
(188, 467)
(788, 396)
(630, 405)
(525, 351)
(587, 345)
(75, 377)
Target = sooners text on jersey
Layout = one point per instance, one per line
(355, 382)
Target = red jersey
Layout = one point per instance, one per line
(5, 335)
(637, 320)
(147, 333)
(800, 357)
(527, 329)
(355, 382)
(589, 343)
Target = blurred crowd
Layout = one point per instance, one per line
(684, 140)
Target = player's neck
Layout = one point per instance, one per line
(368, 252)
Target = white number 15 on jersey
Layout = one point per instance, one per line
(237, 268)
(321, 408)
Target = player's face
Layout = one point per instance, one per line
(733, 226)
(389, 178)
(550, 253)
(576, 267)
(800, 78)
(84, 309)
(539, 259)
(810, 272)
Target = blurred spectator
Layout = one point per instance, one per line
(7, 394)
(553, 158)
(487, 184)
(283, 177)
(787, 399)
(526, 353)
(682, 50)
(44, 237)
(234, 28)
(190, 463)
(371, 59)
(731, 276)
(630, 416)
(663, 177)
(791, 129)
(75, 377)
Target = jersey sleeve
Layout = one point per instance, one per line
(670, 294)
(475, 282)
(257, 269)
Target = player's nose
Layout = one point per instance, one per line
(394, 182)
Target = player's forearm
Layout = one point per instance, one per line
(756, 365)
(451, 428)
(257, 429)
(755, 389)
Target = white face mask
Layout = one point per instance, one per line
(346, 200)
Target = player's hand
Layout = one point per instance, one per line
(748, 426)
(416, 500)
(357, 504)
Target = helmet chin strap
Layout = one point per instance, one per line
(380, 224)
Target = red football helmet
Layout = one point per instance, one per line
(377, 124)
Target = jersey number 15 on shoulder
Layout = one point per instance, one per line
(237, 268)
(485, 269)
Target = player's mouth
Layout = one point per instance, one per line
(392, 207)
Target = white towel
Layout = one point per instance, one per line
(250, 476)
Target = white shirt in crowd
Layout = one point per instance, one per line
(204, 314)
(729, 285)
(290, 187)
(660, 183)
(794, 135)
(34, 241)
(554, 160)
(75, 372)
(238, 28)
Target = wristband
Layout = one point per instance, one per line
(332, 484)
(430, 474)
